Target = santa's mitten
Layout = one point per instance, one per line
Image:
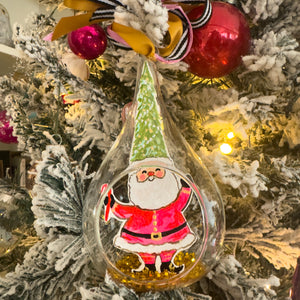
(109, 199)
(184, 184)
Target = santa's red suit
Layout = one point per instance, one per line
(154, 231)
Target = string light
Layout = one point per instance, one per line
(230, 135)
(226, 148)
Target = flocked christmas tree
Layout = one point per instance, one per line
(253, 111)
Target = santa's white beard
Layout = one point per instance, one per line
(153, 194)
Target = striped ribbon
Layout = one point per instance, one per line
(180, 27)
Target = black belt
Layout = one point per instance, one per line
(154, 235)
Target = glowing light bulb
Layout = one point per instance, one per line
(268, 286)
(225, 148)
(230, 135)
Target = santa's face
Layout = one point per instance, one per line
(150, 174)
(153, 188)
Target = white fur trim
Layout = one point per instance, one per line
(152, 161)
(121, 243)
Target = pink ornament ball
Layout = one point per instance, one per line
(88, 42)
(219, 45)
(6, 130)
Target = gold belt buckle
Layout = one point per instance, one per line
(156, 236)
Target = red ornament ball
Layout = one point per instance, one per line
(219, 45)
(88, 42)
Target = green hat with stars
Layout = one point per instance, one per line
(148, 141)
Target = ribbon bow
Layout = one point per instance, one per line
(180, 29)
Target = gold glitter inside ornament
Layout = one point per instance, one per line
(148, 280)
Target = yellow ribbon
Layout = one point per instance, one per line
(85, 5)
(68, 24)
(136, 39)
(175, 31)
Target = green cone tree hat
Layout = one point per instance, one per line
(148, 141)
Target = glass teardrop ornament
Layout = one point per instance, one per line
(153, 214)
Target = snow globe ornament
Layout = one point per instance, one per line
(153, 214)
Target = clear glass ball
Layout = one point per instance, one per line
(153, 216)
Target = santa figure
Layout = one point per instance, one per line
(154, 226)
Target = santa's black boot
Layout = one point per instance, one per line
(151, 267)
(169, 266)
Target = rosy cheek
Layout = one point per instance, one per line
(141, 177)
(159, 174)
